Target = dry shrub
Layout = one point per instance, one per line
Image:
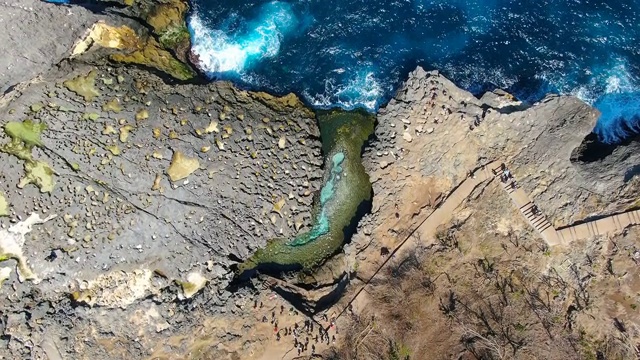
(393, 328)
(500, 301)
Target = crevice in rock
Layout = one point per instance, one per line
(633, 171)
(593, 149)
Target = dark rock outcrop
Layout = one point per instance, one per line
(38, 35)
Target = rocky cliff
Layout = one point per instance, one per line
(126, 197)
(38, 36)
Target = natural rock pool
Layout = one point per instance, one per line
(344, 197)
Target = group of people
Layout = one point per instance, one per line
(476, 122)
(505, 176)
(307, 331)
(302, 335)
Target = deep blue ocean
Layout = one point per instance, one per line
(355, 53)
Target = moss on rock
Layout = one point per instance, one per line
(4, 205)
(38, 173)
(135, 49)
(182, 166)
(24, 137)
(167, 15)
(151, 53)
(107, 36)
(174, 36)
(84, 85)
(281, 104)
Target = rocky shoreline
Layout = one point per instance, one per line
(148, 191)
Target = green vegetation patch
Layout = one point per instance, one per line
(166, 15)
(24, 137)
(84, 85)
(4, 205)
(112, 105)
(174, 36)
(25, 134)
(153, 55)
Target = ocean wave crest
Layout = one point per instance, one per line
(360, 91)
(221, 52)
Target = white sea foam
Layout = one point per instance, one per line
(619, 79)
(362, 90)
(610, 78)
(472, 75)
(220, 52)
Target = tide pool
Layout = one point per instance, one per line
(338, 206)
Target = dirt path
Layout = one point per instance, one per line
(426, 229)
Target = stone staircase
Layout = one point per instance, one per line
(522, 201)
(603, 226)
(606, 225)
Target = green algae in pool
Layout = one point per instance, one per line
(346, 187)
(321, 225)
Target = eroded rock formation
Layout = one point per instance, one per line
(158, 189)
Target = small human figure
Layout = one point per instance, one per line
(534, 210)
(384, 251)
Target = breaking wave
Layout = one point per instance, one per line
(355, 53)
(230, 50)
(361, 91)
